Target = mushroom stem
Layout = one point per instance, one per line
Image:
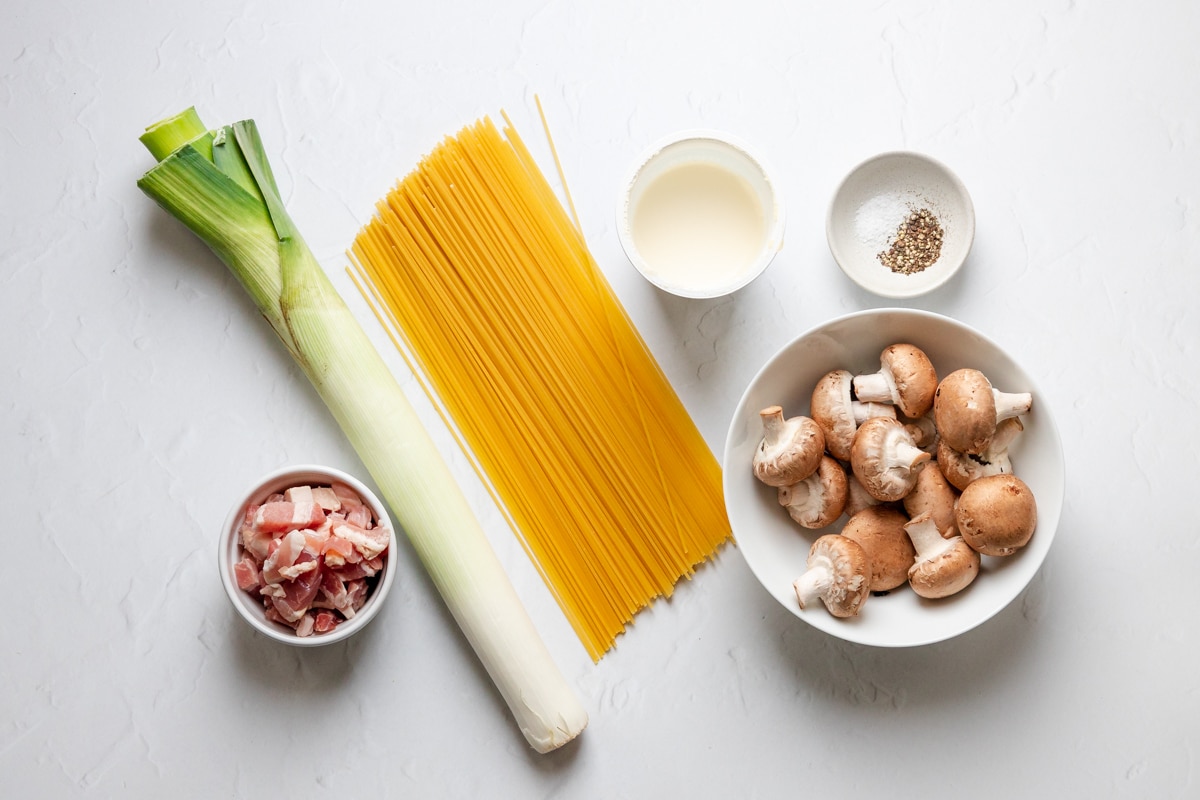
(926, 538)
(863, 411)
(1006, 433)
(923, 431)
(1011, 404)
(904, 455)
(774, 429)
(796, 494)
(815, 582)
(878, 387)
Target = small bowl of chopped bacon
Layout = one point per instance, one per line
(307, 555)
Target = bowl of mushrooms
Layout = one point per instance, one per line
(893, 477)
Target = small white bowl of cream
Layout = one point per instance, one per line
(700, 215)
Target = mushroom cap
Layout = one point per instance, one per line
(959, 469)
(883, 458)
(946, 573)
(879, 530)
(790, 449)
(964, 410)
(832, 409)
(933, 494)
(857, 497)
(818, 499)
(996, 515)
(914, 376)
(849, 574)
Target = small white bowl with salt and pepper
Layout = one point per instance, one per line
(900, 224)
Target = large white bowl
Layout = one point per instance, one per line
(776, 549)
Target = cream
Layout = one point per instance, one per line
(698, 227)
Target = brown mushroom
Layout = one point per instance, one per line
(879, 530)
(943, 566)
(819, 499)
(961, 469)
(857, 497)
(790, 449)
(996, 515)
(838, 573)
(924, 432)
(884, 458)
(832, 409)
(966, 409)
(906, 378)
(934, 495)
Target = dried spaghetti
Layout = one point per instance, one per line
(500, 307)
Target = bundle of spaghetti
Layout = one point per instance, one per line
(491, 294)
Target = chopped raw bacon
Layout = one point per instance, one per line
(326, 498)
(311, 554)
(282, 516)
(298, 595)
(334, 594)
(357, 590)
(368, 541)
(347, 496)
(247, 574)
(299, 494)
(255, 542)
(305, 625)
(282, 556)
(339, 551)
(325, 621)
(350, 571)
(359, 517)
(315, 538)
(306, 563)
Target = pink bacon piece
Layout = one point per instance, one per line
(339, 551)
(284, 554)
(306, 624)
(247, 575)
(348, 498)
(282, 516)
(325, 622)
(326, 498)
(368, 541)
(334, 594)
(298, 595)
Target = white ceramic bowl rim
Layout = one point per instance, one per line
(862, 269)
(248, 608)
(775, 548)
(773, 240)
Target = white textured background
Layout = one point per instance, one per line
(139, 392)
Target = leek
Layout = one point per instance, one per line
(220, 185)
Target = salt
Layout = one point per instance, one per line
(876, 220)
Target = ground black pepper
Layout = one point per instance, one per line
(916, 245)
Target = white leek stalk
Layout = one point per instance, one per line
(220, 185)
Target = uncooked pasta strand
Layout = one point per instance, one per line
(488, 290)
